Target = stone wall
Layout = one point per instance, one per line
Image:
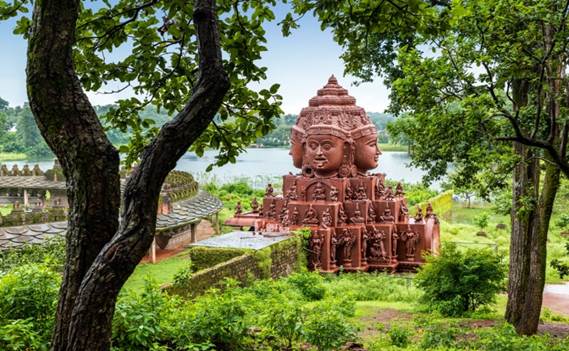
(275, 261)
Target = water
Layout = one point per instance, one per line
(261, 166)
(561, 289)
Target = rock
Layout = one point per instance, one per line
(501, 226)
(482, 233)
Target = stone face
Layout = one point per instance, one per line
(356, 221)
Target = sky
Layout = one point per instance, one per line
(300, 63)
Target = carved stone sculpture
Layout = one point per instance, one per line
(410, 238)
(238, 209)
(295, 216)
(269, 190)
(255, 205)
(316, 248)
(387, 216)
(310, 217)
(388, 194)
(319, 192)
(419, 215)
(326, 218)
(333, 193)
(347, 242)
(394, 240)
(399, 190)
(361, 193)
(357, 217)
(371, 216)
(342, 218)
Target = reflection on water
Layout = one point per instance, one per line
(262, 165)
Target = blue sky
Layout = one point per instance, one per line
(301, 63)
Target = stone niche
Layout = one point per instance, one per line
(356, 221)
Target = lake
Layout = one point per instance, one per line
(263, 165)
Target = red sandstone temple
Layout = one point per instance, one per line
(356, 222)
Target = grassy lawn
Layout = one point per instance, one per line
(12, 156)
(162, 272)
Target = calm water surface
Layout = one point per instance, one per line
(262, 165)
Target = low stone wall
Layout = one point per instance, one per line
(275, 261)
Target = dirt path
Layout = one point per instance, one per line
(558, 303)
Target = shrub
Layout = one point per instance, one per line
(399, 336)
(439, 336)
(563, 221)
(457, 282)
(284, 319)
(51, 253)
(309, 284)
(30, 292)
(21, 335)
(481, 221)
(327, 329)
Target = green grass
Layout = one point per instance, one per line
(393, 147)
(12, 156)
(162, 272)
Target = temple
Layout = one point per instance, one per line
(356, 221)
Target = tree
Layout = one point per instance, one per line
(491, 97)
(176, 64)
(3, 104)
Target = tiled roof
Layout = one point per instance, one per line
(184, 212)
(30, 182)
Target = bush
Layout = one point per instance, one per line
(30, 292)
(51, 253)
(399, 336)
(458, 282)
(21, 335)
(327, 329)
(481, 221)
(283, 319)
(309, 284)
(563, 221)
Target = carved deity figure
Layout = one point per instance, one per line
(379, 189)
(387, 216)
(269, 190)
(419, 215)
(311, 217)
(342, 218)
(388, 194)
(347, 242)
(377, 250)
(333, 193)
(316, 248)
(399, 190)
(291, 194)
(349, 192)
(394, 239)
(326, 220)
(255, 205)
(403, 212)
(357, 217)
(295, 216)
(285, 221)
(284, 211)
(371, 215)
(272, 210)
(410, 238)
(319, 192)
(238, 209)
(4, 171)
(15, 171)
(361, 193)
(429, 212)
(365, 238)
(333, 247)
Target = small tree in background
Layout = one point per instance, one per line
(457, 282)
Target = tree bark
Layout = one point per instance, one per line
(71, 128)
(100, 254)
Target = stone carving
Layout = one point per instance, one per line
(429, 212)
(377, 250)
(342, 218)
(37, 171)
(387, 216)
(388, 194)
(357, 217)
(26, 171)
(238, 209)
(419, 215)
(295, 216)
(269, 190)
(316, 248)
(285, 221)
(333, 193)
(319, 192)
(361, 193)
(4, 171)
(326, 220)
(15, 171)
(410, 238)
(272, 210)
(399, 190)
(310, 217)
(371, 216)
(394, 240)
(334, 144)
(255, 205)
(347, 242)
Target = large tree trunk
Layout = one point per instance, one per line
(525, 177)
(71, 128)
(100, 255)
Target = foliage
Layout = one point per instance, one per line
(372, 287)
(205, 257)
(482, 220)
(51, 253)
(26, 139)
(310, 285)
(327, 329)
(29, 298)
(457, 282)
(399, 336)
(563, 221)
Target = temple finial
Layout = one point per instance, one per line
(332, 80)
